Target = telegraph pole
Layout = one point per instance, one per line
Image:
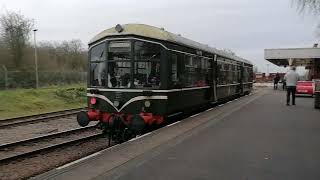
(36, 58)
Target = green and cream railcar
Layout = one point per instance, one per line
(140, 75)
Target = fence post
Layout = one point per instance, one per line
(5, 76)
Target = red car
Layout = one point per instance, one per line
(305, 87)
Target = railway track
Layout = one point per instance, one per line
(42, 144)
(37, 118)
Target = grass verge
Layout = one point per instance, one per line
(23, 102)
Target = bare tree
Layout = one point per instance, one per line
(65, 55)
(308, 6)
(15, 30)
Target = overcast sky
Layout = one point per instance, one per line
(246, 27)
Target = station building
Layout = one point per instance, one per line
(306, 57)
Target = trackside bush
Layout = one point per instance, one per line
(72, 94)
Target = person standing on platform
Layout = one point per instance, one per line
(276, 81)
(291, 78)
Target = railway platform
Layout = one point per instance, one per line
(253, 137)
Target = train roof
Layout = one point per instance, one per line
(161, 34)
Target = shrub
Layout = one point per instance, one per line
(72, 94)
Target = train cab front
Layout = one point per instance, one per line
(124, 78)
(123, 114)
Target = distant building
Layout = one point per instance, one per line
(273, 75)
(260, 77)
(307, 57)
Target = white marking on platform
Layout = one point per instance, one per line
(228, 102)
(110, 147)
(79, 160)
(221, 105)
(209, 109)
(140, 137)
(173, 123)
(195, 115)
(236, 99)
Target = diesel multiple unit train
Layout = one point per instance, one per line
(140, 76)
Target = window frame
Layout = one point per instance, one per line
(120, 61)
(90, 62)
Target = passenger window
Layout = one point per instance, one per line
(174, 69)
(147, 65)
(178, 70)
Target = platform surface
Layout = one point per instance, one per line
(256, 137)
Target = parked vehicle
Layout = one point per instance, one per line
(305, 87)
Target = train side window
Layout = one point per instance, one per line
(234, 74)
(146, 72)
(178, 70)
(220, 73)
(190, 71)
(245, 74)
(211, 71)
(174, 69)
(204, 72)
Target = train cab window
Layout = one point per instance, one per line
(97, 65)
(146, 74)
(119, 74)
(119, 51)
(119, 64)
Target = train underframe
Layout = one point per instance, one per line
(121, 127)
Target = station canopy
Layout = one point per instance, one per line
(306, 57)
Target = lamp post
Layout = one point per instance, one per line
(36, 58)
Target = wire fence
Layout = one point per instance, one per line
(27, 79)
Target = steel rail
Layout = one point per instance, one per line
(32, 141)
(37, 118)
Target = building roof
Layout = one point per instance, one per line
(297, 56)
(161, 34)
